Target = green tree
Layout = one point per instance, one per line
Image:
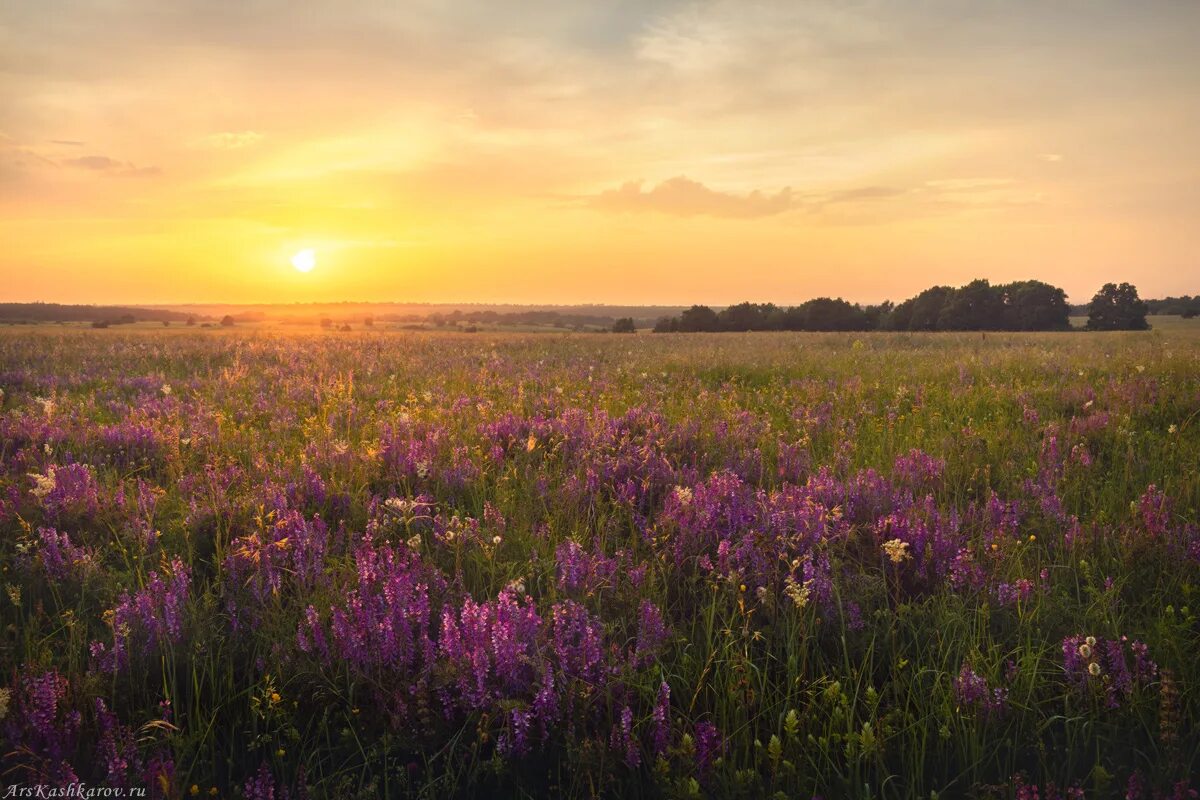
(698, 318)
(1035, 306)
(927, 308)
(978, 306)
(1117, 308)
(624, 325)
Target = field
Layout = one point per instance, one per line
(268, 564)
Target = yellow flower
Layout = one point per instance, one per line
(195, 790)
(275, 697)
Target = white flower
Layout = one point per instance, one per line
(1172, 428)
(414, 542)
(1091, 641)
(44, 484)
(496, 540)
(340, 446)
(166, 389)
(683, 494)
(1093, 669)
(1085, 651)
(896, 550)
(798, 592)
(422, 469)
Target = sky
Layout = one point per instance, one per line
(629, 151)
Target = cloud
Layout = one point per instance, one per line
(684, 197)
(70, 142)
(232, 140)
(111, 166)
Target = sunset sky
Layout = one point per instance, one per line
(632, 151)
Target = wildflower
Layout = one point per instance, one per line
(1093, 669)
(195, 790)
(1172, 428)
(43, 484)
(1090, 641)
(496, 540)
(798, 592)
(683, 495)
(896, 550)
(1085, 651)
(166, 389)
(414, 542)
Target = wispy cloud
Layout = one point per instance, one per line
(111, 166)
(231, 140)
(682, 196)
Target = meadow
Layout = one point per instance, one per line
(262, 564)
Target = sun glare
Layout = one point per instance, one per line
(305, 260)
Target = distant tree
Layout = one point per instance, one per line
(698, 318)
(1117, 308)
(345, 327)
(901, 317)
(746, 317)
(166, 323)
(227, 321)
(827, 314)
(326, 322)
(879, 316)
(369, 322)
(666, 325)
(978, 306)
(624, 325)
(100, 323)
(191, 320)
(1035, 306)
(927, 308)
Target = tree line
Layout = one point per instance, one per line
(978, 306)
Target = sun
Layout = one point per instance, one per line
(305, 260)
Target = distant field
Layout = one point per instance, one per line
(1162, 323)
(500, 565)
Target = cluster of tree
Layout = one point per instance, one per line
(1186, 306)
(57, 312)
(978, 306)
(1117, 308)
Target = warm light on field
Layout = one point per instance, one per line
(305, 260)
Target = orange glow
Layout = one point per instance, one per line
(624, 153)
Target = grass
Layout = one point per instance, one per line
(742, 484)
